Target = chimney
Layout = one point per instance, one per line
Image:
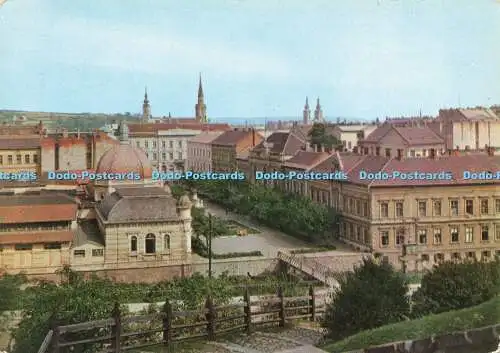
(315, 148)
(400, 154)
(491, 151)
(65, 133)
(449, 152)
(432, 153)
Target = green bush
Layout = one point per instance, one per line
(452, 285)
(292, 214)
(374, 294)
(312, 250)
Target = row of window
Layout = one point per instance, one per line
(95, 253)
(19, 159)
(437, 209)
(164, 156)
(46, 246)
(46, 226)
(199, 152)
(422, 235)
(356, 206)
(149, 243)
(163, 144)
(439, 257)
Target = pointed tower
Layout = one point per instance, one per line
(318, 113)
(123, 133)
(146, 108)
(200, 108)
(306, 114)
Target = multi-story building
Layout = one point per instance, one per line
(227, 147)
(434, 219)
(166, 144)
(469, 129)
(270, 154)
(390, 140)
(199, 151)
(349, 135)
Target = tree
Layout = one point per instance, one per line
(453, 285)
(320, 137)
(374, 294)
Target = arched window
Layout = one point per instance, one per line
(150, 244)
(133, 244)
(166, 242)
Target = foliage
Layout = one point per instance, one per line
(374, 294)
(313, 250)
(201, 224)
(483, 315)
(320, 136)
(452, 285)
(200, 248)
(10, 288)
(295, 215)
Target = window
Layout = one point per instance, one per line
(484, 206)
(388, 152)
(454, 234)
(180, 144)
(50, 246)
(485, 235)
(35, 158)
(163, 144)
(422, 208)
(485, 255)
(154, 144)
(150, 243)
(166, 242)
(138, 144)
(497, 232)
(497, 206)
(412, 153)
(79, 253)
(400, 237)
(437, 236)
(1, 159)
(455, 256)
(384, 209)
(97, 252)
(358, 207)
(27, 158)
(19, 159)
(454, 207)
(422, 236)
(154, 156)
(471, 255)
(437, 208)
(439, 257)
(9, 159)
(171, 144)
(133, 244)
(179, 155)
(424, 258)
(146, 144)
(170, 156)
(469, 206)
(163, 156)
(22, 247)
(399, 209)
(469, 234)
(365, 208)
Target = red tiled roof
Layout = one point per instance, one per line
(153, 128)
(36, 237)
(19, 142)
(455, 165)
(305, 159)
(36, 208)
(205, 137)
(413, 136)
(233, 137)
(339, 161)
(282, 142)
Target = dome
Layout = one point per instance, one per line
(184, 202)
(124, 158)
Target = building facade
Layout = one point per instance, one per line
(199, 151)
(350, 135)
(227, 147)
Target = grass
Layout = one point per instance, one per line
(313, 250)
(236, 227)
(482, 315)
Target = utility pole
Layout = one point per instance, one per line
(210, 231)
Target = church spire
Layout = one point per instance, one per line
(306, 114)
(146, 107)
(318, 113)
(146, 101)
(200, 109)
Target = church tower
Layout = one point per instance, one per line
(318, 113)
(306, 114)
(200, 108)
(146, 107)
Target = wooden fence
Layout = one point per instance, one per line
(120, 333)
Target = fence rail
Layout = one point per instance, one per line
(120, 333)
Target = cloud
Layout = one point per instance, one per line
(132, 48)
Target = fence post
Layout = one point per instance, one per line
(167, 324)
(282, 306)
(117, 329)
(210, 317)
(56, 337)
(248, 312)
(312, 303)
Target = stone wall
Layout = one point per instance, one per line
(482, 340)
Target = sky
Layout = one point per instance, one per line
(363, 58)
